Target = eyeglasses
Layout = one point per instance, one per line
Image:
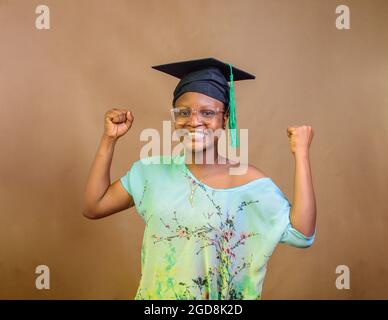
(182, 115)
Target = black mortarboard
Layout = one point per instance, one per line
(210, 77)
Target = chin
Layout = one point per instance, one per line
(198, 145)
(194, 146)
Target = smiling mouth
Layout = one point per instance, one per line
(196, 135)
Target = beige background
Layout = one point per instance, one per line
(56, 85)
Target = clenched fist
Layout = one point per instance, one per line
(300, 138)
(117, 122)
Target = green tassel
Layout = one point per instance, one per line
(233, 132)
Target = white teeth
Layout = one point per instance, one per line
(196, 135)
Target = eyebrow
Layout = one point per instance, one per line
(201, 106)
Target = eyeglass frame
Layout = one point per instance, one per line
(192, 111)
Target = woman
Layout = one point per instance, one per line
(208, 234)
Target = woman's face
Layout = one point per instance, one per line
(204, 131)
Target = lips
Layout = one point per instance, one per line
(196, 135)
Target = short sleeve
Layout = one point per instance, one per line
(126, 180)
(290, 235)
(134, 182)
(295, 238)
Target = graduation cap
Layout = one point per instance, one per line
(210, 77)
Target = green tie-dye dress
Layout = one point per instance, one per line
(205, 243)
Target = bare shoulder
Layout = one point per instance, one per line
(256, 173)
(252, 173)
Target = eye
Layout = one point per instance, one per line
(184, 112)
(208, 113)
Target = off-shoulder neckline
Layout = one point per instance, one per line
(244, 186)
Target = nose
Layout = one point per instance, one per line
(194, 119)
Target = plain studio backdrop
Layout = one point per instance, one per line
(57, 84)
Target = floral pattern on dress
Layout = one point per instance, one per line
(208, 247)
(224, 238)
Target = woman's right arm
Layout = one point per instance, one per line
(102, 198)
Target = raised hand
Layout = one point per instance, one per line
(300, 138)
(117, 122)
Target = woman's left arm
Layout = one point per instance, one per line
(303, 210)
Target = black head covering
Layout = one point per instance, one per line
(209, 81)
(207, 76)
